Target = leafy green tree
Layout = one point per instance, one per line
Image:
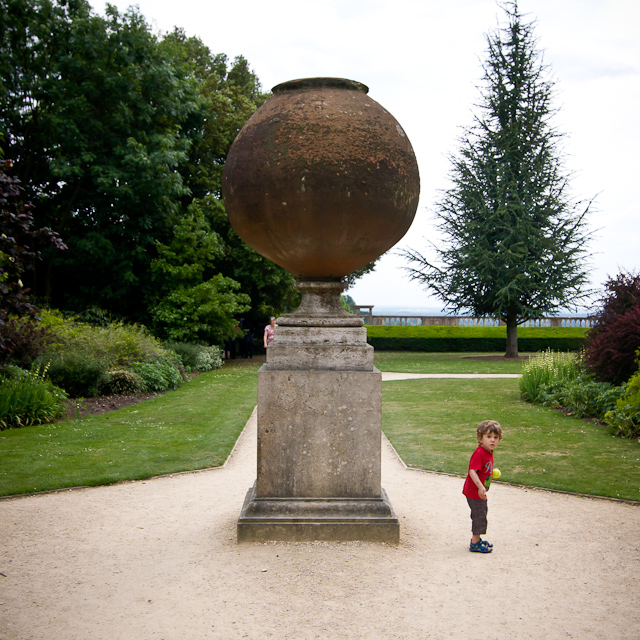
(514, 242)
(347, 302)
(117, 134)
(269, 286)
(203, 313)
(100, 124)
(191, 303)
(230, 93)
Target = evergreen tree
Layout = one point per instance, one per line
(514, 240)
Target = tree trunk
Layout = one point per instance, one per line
(512, 337)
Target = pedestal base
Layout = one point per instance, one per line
(319, 430)
(309, 519)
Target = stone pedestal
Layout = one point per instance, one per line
(319, 431)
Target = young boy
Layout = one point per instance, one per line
(489, 434)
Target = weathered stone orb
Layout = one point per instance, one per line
(321, 179)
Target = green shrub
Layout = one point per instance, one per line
(560, 381)
(583, 396)
(26, 398)
(158, 376)
(115, 344)
(13, 372)
(79, 373)
(624, 419)
(197, 357)
(465, 339)
(209, 358)
(545, 368)
(121, 382)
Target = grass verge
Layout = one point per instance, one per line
(413, 362)
(431, 424)
(194, 427)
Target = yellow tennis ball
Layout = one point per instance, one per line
(496, 474)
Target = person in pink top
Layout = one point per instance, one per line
(476, 485)
(269, 332)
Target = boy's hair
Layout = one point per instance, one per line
(488, 426)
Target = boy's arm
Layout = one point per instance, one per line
(482, 492)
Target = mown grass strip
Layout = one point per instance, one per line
(431, 423)
(412, 362)
(194, 427)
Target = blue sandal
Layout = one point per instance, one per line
(480, 547)
(485, 543)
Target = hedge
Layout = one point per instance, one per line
(448, 339)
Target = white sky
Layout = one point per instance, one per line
(421, 60)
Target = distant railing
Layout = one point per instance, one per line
(467, 321)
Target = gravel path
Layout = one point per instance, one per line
(158, 560)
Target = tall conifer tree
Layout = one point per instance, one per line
(515, 241)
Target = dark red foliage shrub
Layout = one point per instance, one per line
(621, 294)
(612, 344)
(19, 250)
(24, 340)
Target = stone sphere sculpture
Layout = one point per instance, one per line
(321, 179)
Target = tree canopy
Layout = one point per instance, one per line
(119, 137)
(514, 240)
(98, 123)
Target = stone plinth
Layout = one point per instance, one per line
(306, 519)
(319, 434)
(319, 431)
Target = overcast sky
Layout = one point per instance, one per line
(421, 60)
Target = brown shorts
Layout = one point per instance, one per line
(479, 509)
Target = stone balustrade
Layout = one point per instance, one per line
(470, 321)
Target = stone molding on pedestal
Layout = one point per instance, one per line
(307, 520)
(320, 334)
(320, 306)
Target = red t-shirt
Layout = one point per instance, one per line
(481, 462)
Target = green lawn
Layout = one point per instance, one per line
(420, 362)
(431, 423)
(194, 427)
